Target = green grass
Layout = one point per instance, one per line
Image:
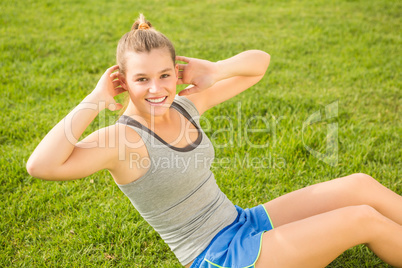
(53, 52)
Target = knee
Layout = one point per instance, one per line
(361, 181)
(364, 212)
(363, 178)
(364, 221)
(364, 216)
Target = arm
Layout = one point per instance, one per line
(59, 157)
(213, 83)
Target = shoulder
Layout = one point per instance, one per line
(131, 152)
(112, 135)
(112, 141)
(127, 145)
(126, 135)
(189, 103)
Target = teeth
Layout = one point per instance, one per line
(156, 100)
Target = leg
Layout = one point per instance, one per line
(356, 189)
(318, 240)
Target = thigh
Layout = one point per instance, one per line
(313, 200)
(314, 241)
(352, 190)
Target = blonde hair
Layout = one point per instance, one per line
(142, 38)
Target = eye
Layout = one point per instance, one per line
(165, 75)
(141, 79)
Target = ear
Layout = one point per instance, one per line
(176, 69)
(123, 82)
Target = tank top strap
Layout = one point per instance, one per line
(186, 105)
(183, 106)
(143, 131)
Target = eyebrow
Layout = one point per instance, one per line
(163, 71)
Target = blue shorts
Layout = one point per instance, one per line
(237, 245)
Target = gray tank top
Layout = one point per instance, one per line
(178, 196)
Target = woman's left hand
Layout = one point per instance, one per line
(199, 74)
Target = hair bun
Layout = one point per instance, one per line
(143, 26)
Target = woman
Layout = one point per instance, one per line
(160, 158)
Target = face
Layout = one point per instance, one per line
(151, 81)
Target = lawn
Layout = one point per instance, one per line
(343, 55)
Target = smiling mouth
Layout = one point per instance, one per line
(156, 101)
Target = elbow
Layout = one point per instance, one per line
(267, 59)
(35, 169)
(263, 58)
(42, 169)
(32, 168)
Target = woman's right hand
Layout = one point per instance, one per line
(109, 85)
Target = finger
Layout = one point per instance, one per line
(119, 90)
(119, 83)
(189, 90)
(116, 83)
(182, 80)
(114, 76)
(183, 93)
(182, 58)
(114, 106)
(182, 67)
(179, 81)
(112, 69)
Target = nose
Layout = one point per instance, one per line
(155, 86)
